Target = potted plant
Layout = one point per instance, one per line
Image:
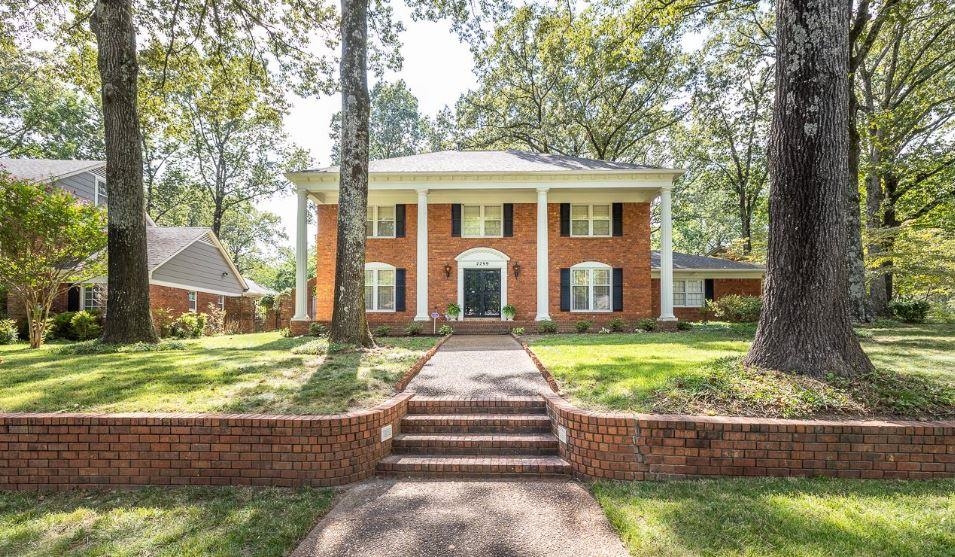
(453, 311)
(508, 312)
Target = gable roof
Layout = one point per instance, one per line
(164, 242)
(256, 290)
(488, 161)
(689, 262)
(39, 170)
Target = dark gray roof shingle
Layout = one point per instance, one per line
(686, 262)
(489, 161)
(47, 169)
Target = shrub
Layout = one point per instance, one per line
(382, 331)
(285, 332)
(647, 324)
(545, 327)
(215, 320)
(267, 302)
(683, 325)
(583, 326)
(413, 329)
(736, 308)
(163, 321)
(509, 311)
(8, 331)
(617, 325)
(453, 311)
(518, 331)
(189, 325)
(317, 329)
(446, 329)
(61, 326)
(910, 311)
(85, 325)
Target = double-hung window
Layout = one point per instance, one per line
(221, 302)
(482, 221)
(93, 297)
(193, 300)
(688, 293)
(379, 288)
(590, 288)
(590, 220)
(380, 222)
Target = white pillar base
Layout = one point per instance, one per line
(544, 317)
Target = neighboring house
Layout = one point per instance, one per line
(188, 267)
(560, 238)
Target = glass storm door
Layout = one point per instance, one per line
(482, 293)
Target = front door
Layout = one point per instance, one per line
(482, 293)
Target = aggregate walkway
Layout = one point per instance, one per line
(479, 366)
(468, 519)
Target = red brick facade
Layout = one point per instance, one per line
(644, 446)
(721, 287)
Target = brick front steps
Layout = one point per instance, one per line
(475, 438)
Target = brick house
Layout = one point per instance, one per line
(188, 268)
(559, 238)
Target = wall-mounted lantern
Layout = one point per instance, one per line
(447, 270)
(517, 269)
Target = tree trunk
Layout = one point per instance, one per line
(859, 308)
(348, 313)
(127, 307)
(878, 294)
(805, 326)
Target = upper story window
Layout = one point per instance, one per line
(590, 285)
(590, 220)
(193, 300)
(99, 191)
(93, 297)
(379, 287)
(688, 293)
(482, 221)
(380, 222)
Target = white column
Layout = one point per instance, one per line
(543, 272)
(421, 273)
(301, 258)
(666, 257)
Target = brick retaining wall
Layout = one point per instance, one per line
(645, 446)
(61, 451)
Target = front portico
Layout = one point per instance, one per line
(476, 291)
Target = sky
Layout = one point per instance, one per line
(437, 68)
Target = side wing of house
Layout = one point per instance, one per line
(201, 266)
(88, 186)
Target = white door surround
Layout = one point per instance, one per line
(481, 258)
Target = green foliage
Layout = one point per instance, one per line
(85, 325)
(617, 325)
(453, 310)
(445, 329)
(517, 331)
(736, 308)
(546, 327)
(509, 311)
(583, 326)
(317, 329)
(285, 332)
(413, 329)
(910, 311)
(684, 325)
(647, 324)
(163, 321)
(61, 326)
(8, 331)
(96, 347)
(189, 325)
(267, 301)
(382, 331)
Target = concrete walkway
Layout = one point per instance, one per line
(481, 519)
(479, 366)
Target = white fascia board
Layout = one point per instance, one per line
(195, 288)
(713, 273)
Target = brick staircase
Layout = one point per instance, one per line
(475, 438)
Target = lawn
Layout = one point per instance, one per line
(261, 372)
(221, 521)
(783, 517)
(698, 372)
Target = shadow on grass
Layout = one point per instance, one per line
(782, 517)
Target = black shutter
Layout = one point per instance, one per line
(617, 218)
(400, 220)
(73, 298)
(708, 288)
(508, 219)
(399, 289)
(565, 219)
(565, 290)
(617, 289)
(456, 220)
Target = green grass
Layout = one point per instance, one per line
(177, 522)
(783, 517)
(261, 372)
(697, 372)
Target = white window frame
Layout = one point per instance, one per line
(221, 302)
(193, 298)
(93, 288)
(97, 186)
(679, 289)
(373, 211)
(376, 269)
(484, 219)
(590, 267)
(591, 219)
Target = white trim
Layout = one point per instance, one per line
(590, 267)
(421, 258)
(192, 297)
(666, 256)
(483, 218)
(72, 173)
(97, 181)
(590, 220)
(376, 267)
(83, 289)
(702, 292)
(482, 258)
(543, 248)
(301, 256)
(373, 210)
